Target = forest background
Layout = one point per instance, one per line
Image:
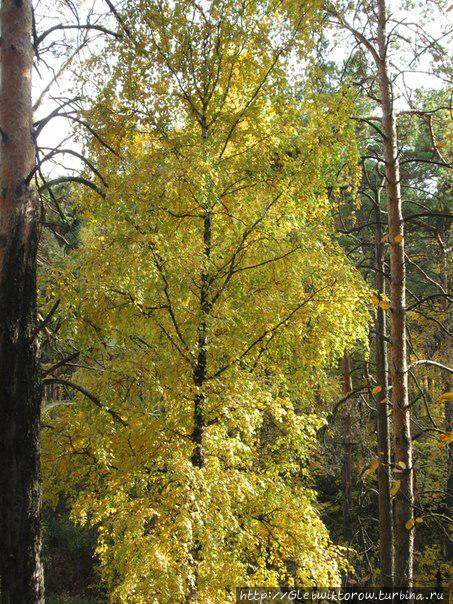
(242, 333)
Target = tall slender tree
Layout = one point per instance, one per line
(404, 502)
(369, 26)
(20, 387)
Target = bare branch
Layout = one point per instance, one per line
(94, 399)
(429, 362)
(86, 26)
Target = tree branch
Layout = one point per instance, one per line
(116, 416)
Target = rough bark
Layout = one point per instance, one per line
(404, 500)
(200, 374)
(383, 429)
(347, 454)
(199, 419)
(448, 408)
(449, 493)
(20, 389)
(201, 364)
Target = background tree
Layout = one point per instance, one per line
(370, 26)
(213, 174)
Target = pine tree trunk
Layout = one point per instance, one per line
(404, 500)
(347, 454)
(448, 409)
(20, 388)
(383, 428)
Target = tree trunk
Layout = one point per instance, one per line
(347, 454)
(200, 374)
(383, 430)
(199, 420)
(201, 365)
(20, 388)
(404, 500)
(448, 408)
(449, 493)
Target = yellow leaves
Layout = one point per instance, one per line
(446, 397)
(395, 488)
(374, 301)
(154, 258)
(381, 300)
(402, 465)
(376, 390)
(384, 303)
(412, 522)
(378, 299)
(397, 239)
(374, 466)
(445, 439)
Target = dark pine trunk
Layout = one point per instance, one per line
(347, 454)
(383, 428)
(20, 388)
(448, 545)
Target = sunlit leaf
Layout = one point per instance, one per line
(395, 488)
